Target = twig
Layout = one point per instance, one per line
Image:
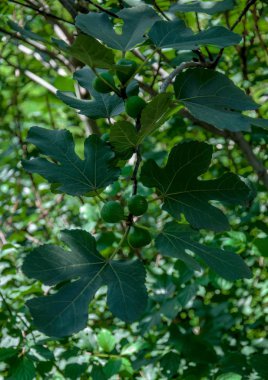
(160, 10)
(248, 5)
(179, 69)
(40, 11)
(103, 9)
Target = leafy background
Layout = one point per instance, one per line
(195, 326)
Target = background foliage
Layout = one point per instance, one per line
(197, 325)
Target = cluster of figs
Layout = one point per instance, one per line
(125, 70)
(113, 212)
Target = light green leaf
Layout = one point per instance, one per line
(83, 271)
(124, 138)
(91, 52)
(106, 340)
(71, 174)
(182, 192)
(154, 115)
(175, 35)
(136, 21)
(229, 376)
(23, 369)
(208, 7)
(213, 98)
(176, 241)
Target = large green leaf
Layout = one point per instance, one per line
(71, 174)
(208, 7)
(82, 270)
(91, 52)
(175, 35)
(182, 192)
(102, 106)
(176, 241)
(213, 98)
(136, 21)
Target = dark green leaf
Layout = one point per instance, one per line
(213, 98)
(72, 175)
(23, 369)
(103, 105)
(6, 353)
(262, 245)
(66, 311)
(175, 35)
(182, 192)
(91, 52)
(176, 241)
(170, 363)
(208, 7)
(136, 21)
(260, 363)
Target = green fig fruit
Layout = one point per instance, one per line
(134, 105)
(103, 86)
(112, 212)
(137, 205)
(139, 237)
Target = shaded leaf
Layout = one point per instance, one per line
(91, 52)
(71, 174)
(182, 192)
(176, 240)
(175, 35)
(124, 138)
(213, 98)
(208, 7)
(23, 369)
(136, 21)
(66, 311)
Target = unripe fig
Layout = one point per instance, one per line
(134, 105)
(139, 237)
(112, 212)
(100, 85)
(137, 205)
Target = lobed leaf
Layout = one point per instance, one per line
(213, 98)
(175, 35)
(83, 271)
(70, 174)
(137, 20)
(183, 193)
(176, 240)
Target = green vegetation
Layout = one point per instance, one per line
(133, 208)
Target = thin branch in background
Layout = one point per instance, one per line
(69, 7)
(200, 29)
(179, 69)
(156, 6)
(100, 8)
(248, 5)
(40, 11)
